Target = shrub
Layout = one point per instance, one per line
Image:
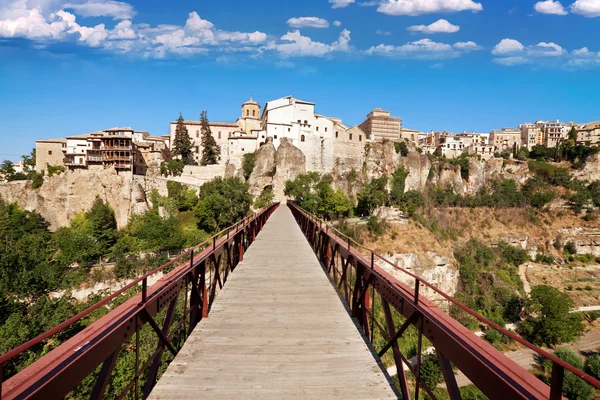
(592, 365)
(376, 226)
(570, 248)
(514, 255)
(573, 387)
(56, 170)
(248, 164)
(37, 180)
(431, 372)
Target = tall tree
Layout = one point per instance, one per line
(29, 162)
(210, 149)
(182, 144)
(103, 223)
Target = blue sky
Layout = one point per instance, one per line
(76, 66)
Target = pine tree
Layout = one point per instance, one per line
(210, 149)
(182, 144)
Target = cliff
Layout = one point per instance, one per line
(62, 196)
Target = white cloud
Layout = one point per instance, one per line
(544, 49)
(196, 24)
(122, 31)
(587, 8)
(96, 8)
(419, 7)
(383, 33)
(550, 7)
(337, 23)
(439, 26)
(421, 49)
(583, 52)
(507, 46)
(284, 64)
(242, 37)
(510, 61)
(294, 44)
(467, 46)
(308, 22)
(340, 3)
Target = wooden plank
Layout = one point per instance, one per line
(277, 330)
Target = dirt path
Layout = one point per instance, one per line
(523, 276)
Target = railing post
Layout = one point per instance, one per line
(417, 285)
(144, 290)
(556, 383)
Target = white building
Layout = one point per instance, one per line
(554, 132)
(531, 135)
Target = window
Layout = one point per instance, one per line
(219, 134)
(253, 113)
(197, 149)
(336, 134)
(360, 138)
(197, 134)
(263, 136)
(350, 137)
(302, 138)
(275, 136)
(289, 129)
(305, 122)
(242, 149)
(317, 129)
(299, 121)
(325, 129)
(49, 152)
(247, 113)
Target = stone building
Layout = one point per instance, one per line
(554, 132)
(531, 135)
(505, 139)
(589, 134)
(49, 152)
(250, 120)
(380, 125)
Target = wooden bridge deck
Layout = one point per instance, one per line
(277, 330)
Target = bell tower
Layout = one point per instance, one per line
(250, 119)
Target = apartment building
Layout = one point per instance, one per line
(505, 139)
(589, 134)
(380, 125)
(49, 152)
(531, 135)
(554, 132)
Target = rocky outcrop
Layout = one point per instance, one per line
(590, 170)
(380, 159)
(481, 173)
(264, 168)
(289, 163)
(391, 215)
(418, 167)
(436, 269)
(62, 196)
(587, 240)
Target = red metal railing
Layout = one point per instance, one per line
(198, 275)
(488, 368)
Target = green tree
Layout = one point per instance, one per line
(221, 203)
(401, 148)
(182, 144)
(248, 164)
(550, 321)
(372, 195)
(592, 365)
(398, 184)
(7, 168)
(431, 372)
(210, 149)
(29, 162)
(265, 198)
(103, 224)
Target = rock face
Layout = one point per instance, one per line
(590, 170)
(62, 196)
(587, 240)
(418, 167)
(264, 168)
(481, 173)
(437, 270)
(380, 159)
(289, 163)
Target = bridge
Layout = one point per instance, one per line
(280, 305)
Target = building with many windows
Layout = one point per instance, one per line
(380, 125)
(49, 152)
(505, 139)
(531, 135)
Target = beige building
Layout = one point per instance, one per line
(380, 125)
(250, 120)
(220, 131)
(49, 152)
(554, 132)
(531, 135)
(589, 134)
(505, 139)
(410, 134)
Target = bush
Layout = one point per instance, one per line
(495, 338)
(376, 226)
(172, 167)
(431, 372)
(574, 387)
(265, 199)
(514, 255)
(570, 248)
(37, 180)
(56, 170)
(544, 258)
(401, 148)
(592, 365)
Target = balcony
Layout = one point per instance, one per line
(122, 166)
(94, 159)
(129, 147)
(117, 158)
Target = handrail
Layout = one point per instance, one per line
(587, 378)
(40, 338)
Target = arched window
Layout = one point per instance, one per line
(253, 113)
(302, 138)
(247, 113)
